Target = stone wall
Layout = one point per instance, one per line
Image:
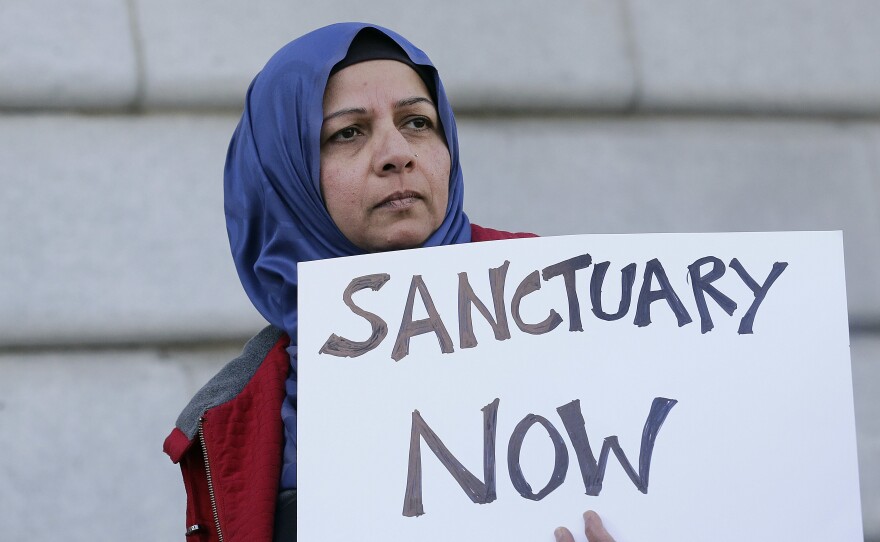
(118, 298)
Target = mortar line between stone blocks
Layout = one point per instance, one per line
(872, 148)
(139, 60)
(632, 53)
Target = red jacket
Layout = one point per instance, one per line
(228, 440)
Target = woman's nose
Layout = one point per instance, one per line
(393, 152)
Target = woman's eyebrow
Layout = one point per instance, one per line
(405, 102)
(412, 101)
(346, 111)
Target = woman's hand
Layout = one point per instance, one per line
(593, 528)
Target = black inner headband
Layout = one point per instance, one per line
(371, 44)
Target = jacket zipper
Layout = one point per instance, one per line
(210, 481)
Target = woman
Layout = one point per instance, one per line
(347, 145)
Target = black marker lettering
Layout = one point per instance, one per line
(477, 491)
(702, 285)
(531, 284)
(560, 464)
(627, 279)
(567, 269)
(467, 298)
(647, 296)
(345, 348)
(593, 472)
(410, 328)
(748, 320)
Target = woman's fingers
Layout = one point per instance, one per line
(563, 535)
(594, 529)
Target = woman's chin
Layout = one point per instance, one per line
(400, 239)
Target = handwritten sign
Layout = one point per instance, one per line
(687, 386)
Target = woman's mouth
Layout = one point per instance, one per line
(398, 200)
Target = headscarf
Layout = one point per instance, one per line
(275, 215)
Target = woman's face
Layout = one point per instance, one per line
(384, 161)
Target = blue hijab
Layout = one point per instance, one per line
(275, 215)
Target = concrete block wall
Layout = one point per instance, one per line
(118, 298)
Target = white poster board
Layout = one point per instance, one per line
(739, 427)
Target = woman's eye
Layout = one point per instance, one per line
(346, 134)
(419, 123)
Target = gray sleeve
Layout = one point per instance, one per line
(229, 382)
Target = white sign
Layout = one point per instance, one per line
(687, 387)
